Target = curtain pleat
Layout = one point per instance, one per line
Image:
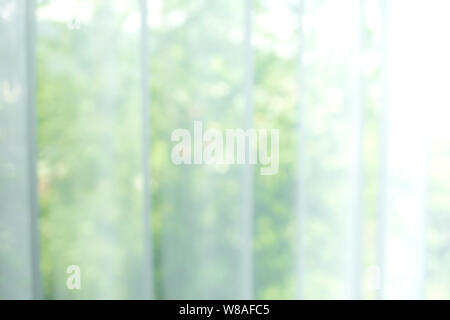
(19, 249)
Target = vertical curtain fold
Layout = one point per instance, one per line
(146, 147)
(248, 199)
(19, 244)
(383, 146)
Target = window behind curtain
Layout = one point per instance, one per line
(358, 209)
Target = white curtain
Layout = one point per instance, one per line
(91, 90)
(417, 138)
(18, 206)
